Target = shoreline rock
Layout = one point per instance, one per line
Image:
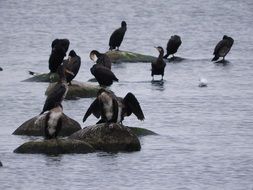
(141, 131)
(69, 126)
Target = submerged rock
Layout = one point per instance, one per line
(55, 146)
(43, 77)
(69, 126)
(110, 138)
(141, 131)
(127, 56)
(78, 90)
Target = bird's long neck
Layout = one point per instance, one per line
(161, 54)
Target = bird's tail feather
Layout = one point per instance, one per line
(215, 58)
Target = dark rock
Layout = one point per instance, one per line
(175, 59)
(69, 126)
(126, 56)
(110, 138)
(78, 90)
(1, 68)
(55, 146)
(1, 164)
(141, 131)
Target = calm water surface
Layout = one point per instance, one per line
(206, 135)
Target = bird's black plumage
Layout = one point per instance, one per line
(173, 45)
(72, 64)
(58, 93)
(117, 36)
(103, 75)
(112, 108)
(62, 42)
(158, 66)
(58, 52)
(101, 58)
(222, 48)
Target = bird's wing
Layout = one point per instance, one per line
(93, 109)
(219, 46)
(103, 73)
(54, 97)
(133, 106)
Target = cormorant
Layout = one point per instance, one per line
(117, 36)
(72, 64)
(103, 75)
(52, 108)
(62, 42)
(222, 48)
(113, 109)
(59, 49)
(157, 66)
(173, 45)
(101, 58)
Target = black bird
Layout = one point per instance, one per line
(72, 64)
(59, 49)
(103, 75)
(101, 58)
(117, 36)
(157, 66)
(173, 45)
(113, 109)
(52, 108)
(222, 48)
(62, 42)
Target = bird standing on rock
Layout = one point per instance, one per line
(157, 66)
(113, 109)
(101, 58)
(117, 36)
(52, 109)
(59, 50)
(72, 64)
(222, 48)
(173, 45)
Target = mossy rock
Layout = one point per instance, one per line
(78, 90)
(69, 126)
(141, 131)
(127, 56)
(44, 77)
(109, 138)
(54, 147)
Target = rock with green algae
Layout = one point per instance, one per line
(69, 126)
(43, 77)
(78, 90)
(127, 56)
(55, 146)
(108, 137)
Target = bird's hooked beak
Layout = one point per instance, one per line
(157, 48)
(69, 72)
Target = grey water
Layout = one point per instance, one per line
(205, 136)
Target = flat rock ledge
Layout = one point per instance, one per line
(78, 90)
(43, 77)
(55, 146)
(109, 138)
(138, 131)
(69, 126)
(127, 56)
